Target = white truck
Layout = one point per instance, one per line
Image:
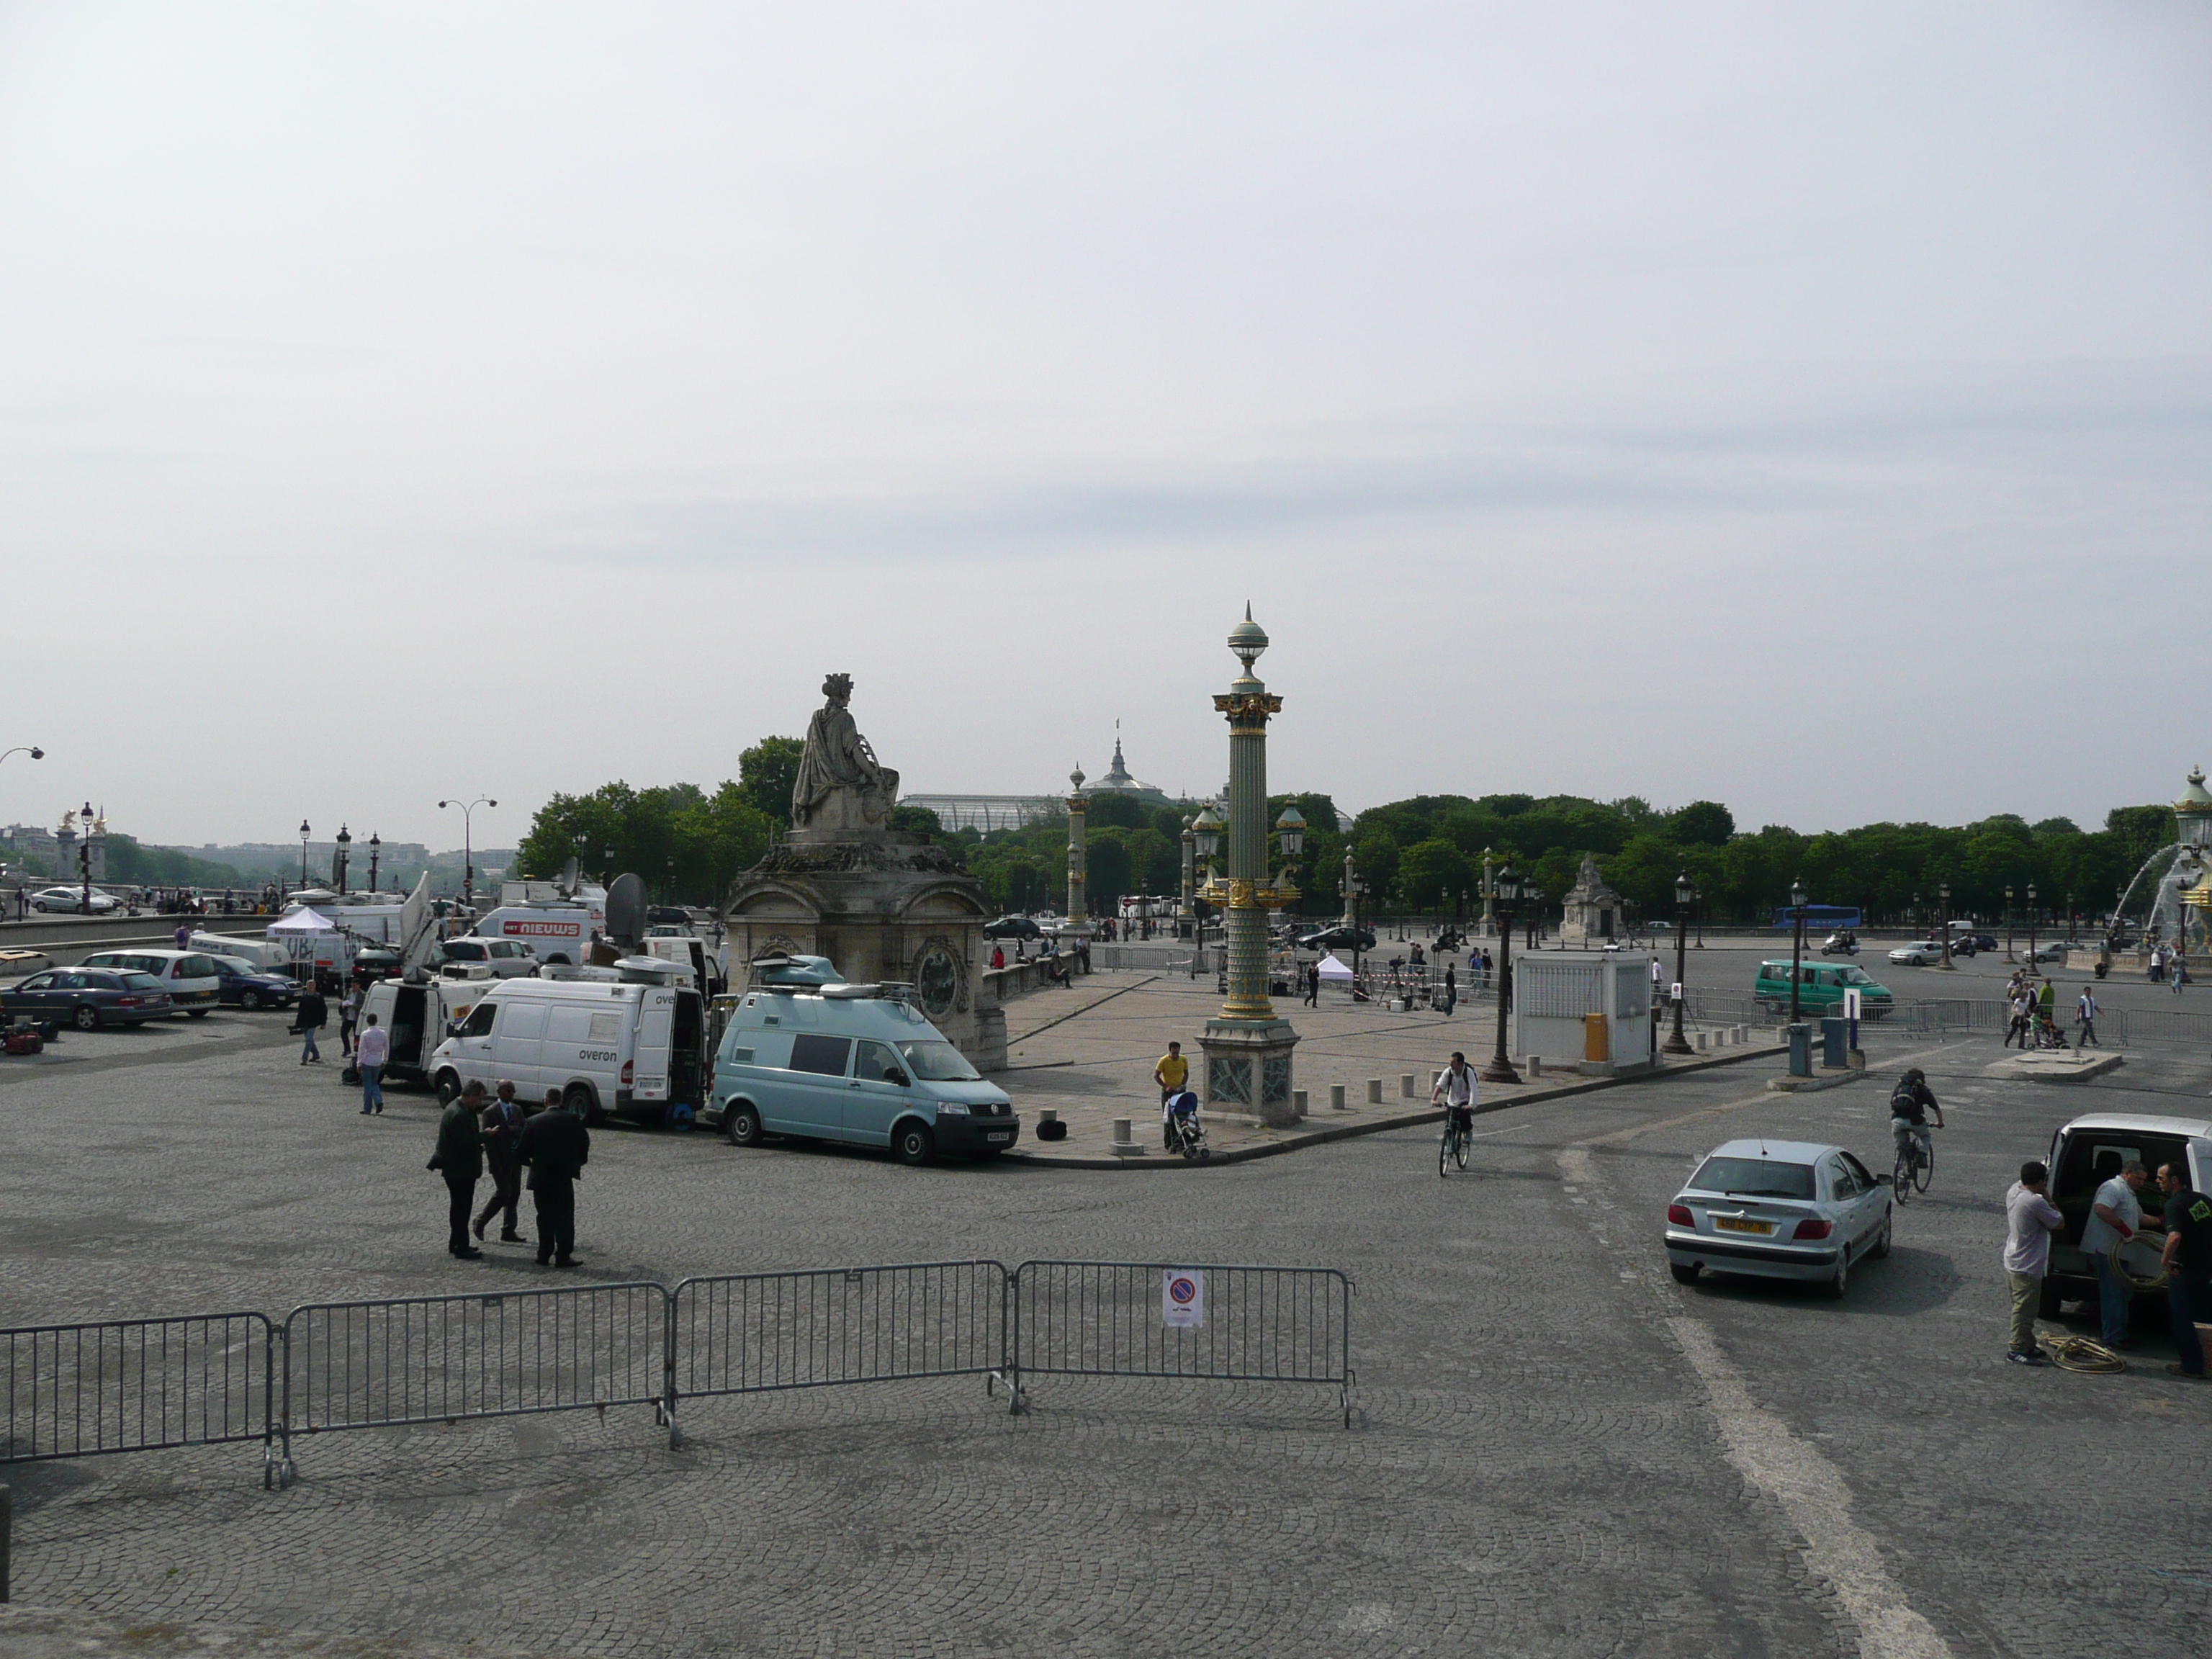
(559, 931)
(631, 1049)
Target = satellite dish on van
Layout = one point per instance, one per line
(626, 910)
(569, 877)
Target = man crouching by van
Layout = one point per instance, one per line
(556, 1145)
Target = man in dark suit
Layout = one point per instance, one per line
(460, 1158)
(502, 1137)
(556, 1145)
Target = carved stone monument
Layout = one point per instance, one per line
(1593, 909)
(881, 903)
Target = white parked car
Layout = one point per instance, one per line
(1778, 1209)
(508, 958)
(1919, 954)
(2053, 952)
(69, 899)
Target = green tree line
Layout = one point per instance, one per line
(1420, 855)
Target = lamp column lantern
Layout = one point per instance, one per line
(1678, 1044)
(2009, 956)
(1489, 895)
(1078, 817)
(1797, 951)
(1186, 909)
(1247, 1045)
(375, 850)
(340, 859)
(84, 857)
(2031, 922)
(1943, 892)
(468, 844)
(1505, 887)
(304, 833)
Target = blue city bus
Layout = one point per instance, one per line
(1820, 918)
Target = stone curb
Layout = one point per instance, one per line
(2055, 1071)
(1805, 1085)
(1397, 1120)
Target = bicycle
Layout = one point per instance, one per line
(1458, 1141)
(1915, 1167)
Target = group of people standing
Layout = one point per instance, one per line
(2168, 967)
(2034, 1019)
(553, 1145)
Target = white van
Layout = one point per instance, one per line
(418, 1016)
(506, 958)
(273, 958)
(629, 1048)
(193, 982)
(556, 932)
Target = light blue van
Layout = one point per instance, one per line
(806, 1055)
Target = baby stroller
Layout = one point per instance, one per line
(1179, 1127)
(2047, 1034)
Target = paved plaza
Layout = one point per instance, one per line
(1554, 1449)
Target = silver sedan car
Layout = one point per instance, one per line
(1778, 1209)
(70, 899)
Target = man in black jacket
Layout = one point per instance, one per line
(556, 1145)
(460, 1158)
(502, 1137)
(314, 1014)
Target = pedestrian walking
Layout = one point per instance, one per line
(1451, 989)
(369, 1055)
(349, 1013)
(2157, 964)
(2046, 1005)
(2022, 1006)
(2114, 1215)
(502, 1145)
(2085, 1014)
(2030, 1220)
(1489, 969)
(2177, 971)
(2187, 1259)
(459, 1159)
(314, 1014)
(184, 937)
(1313, 985)
(556, 1145)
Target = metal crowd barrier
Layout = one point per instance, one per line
(207, 1379)
(441, 1358)
(1232, 1323)
(758, 1333)
(123, 1385)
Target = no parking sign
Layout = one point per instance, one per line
(1183, 1299)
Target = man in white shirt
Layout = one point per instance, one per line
(2113, 1216)
(1455, 1090)
(370, 1051)
(2086, 1011)
(2030, 1220)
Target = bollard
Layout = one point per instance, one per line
(1298, 1101)
(1336, 1102)
(1122, 1130)
(1801, 1049)
(1701, 1042)
(1124, 1144)
(1374, 1092)
(1405, 1087)
(1535, 1065)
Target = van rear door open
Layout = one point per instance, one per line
(656, 1030)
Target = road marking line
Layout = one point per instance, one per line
(1814, 1495)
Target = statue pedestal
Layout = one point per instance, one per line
(846, 812)
(1247, 1070)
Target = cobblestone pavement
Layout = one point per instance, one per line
(1554, 1449)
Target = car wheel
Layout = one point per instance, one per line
(579, 1098)
(1840, 1281)
(1685, 1273)
(196, 1013)
(913, 1142)
(741, 1123)
(86, 1018)
(249, 1001)
(448, 1087)
(1880, 1251)
(39, 905)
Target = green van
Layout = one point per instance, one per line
(1820, 988)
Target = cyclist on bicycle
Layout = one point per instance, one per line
(1910, 1105)
(1454, 1091)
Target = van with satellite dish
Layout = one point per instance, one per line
(804, 1055)
(559, 931)
(632, 1047)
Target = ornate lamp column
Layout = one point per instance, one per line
(1247, 1046)
(1186, 912)
(1078, 903)
(1489, 896)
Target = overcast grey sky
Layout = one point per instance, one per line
(1808, 407)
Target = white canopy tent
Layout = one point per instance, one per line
(1334, 971)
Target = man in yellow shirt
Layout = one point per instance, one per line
(1172, 1074)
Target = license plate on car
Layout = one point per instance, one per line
(1736, 1224)
(1002, 1134)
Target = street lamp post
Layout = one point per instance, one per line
(2071, 919)
(2009, 956)
(1943, 892)
(84, 857)
(1796, 950)
(30, 749)
(1506, 893)
(339, 861)
(1189, 908)
(304, 833)
(468, 844)
(375, 847)
(2031, 921)
(1678, 1044)
(1206, 841)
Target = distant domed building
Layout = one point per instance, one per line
(1118, 782)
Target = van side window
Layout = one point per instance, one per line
(873, 1061)
(822, 1054)
(480, 1021)
(605, 1028)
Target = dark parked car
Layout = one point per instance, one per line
(1338, 938)
(1013, 927)
(89, 998)
(370, 965)
(245, 985)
